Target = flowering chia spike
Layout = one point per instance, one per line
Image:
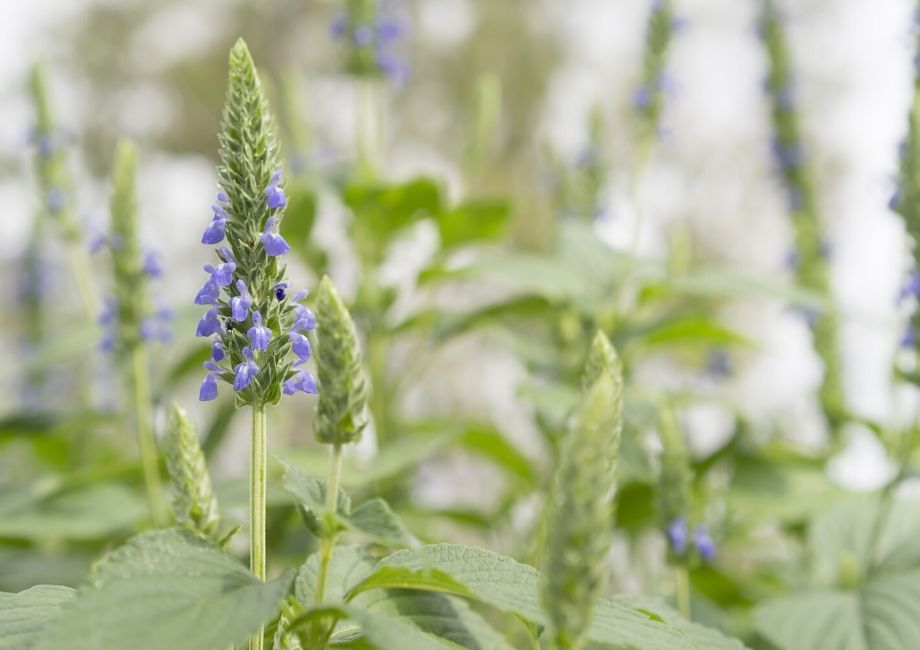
(581, 515)
(906, 202)
(341, 412)
(249, 310)
(812, 268)
(579, 186)
(702, 541)
(372, 31)
(194, 501)
(648, 99)
(674, 485)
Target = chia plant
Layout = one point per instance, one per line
(580, 185)
(811, 265)
(581, 515)
(675, 510)
(194, 501)
(372, 32)
(259, 343)
(57, 192)
(906, 203)
(649, 97)
(129, 317)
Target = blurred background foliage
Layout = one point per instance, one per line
(479, 256)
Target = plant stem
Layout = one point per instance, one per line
(378, 352)
(146, 441)
(257, 472)
(328, 544)
(682, 586)
(82, 272)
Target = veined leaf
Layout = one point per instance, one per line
(513, 587)
(866, 589)
(23, 616)
(165, 590)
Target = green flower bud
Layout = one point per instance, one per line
(581, 518)
(341, 408)
(194, 501)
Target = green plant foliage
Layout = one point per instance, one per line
(23, 616)
(863, 593)
(172, 590)
(194, 501)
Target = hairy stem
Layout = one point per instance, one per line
(257, 472)
(140, 378)
(328, 544)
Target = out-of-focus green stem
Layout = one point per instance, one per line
(329, 536)
(682, 589)
(378, 353)
(257, 482)
(83, 276)
(369, 127)
(145, 438)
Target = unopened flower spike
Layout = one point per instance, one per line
(580, 528)
(341, 412)
(194, 501)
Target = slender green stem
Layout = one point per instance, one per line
(140, 378)
(82, 272)
(378, 352)
(682, 587)
(257, 482)
(369, 127)
(328, 543)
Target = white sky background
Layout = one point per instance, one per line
(853, 65)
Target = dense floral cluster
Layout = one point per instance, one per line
(372, 31)
(257, 325)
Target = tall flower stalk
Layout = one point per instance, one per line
(341, 412)
(649, 97)
(51, 167)
(581, 513)
(128, 316)
(259, 342)
(810, 260)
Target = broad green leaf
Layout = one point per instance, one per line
(489, 442)
(860, 598)
(513, 587)
(475, 220)
(380, 632)
(311, 492)
(165, 590)
(23, 616)
(448, 618)
(84, 513)
(728, 283)
(691, 329)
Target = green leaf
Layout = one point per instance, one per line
(448, 618)
(490, 443)
(166, 590)
(514, 588)
(475, 220)
(372, 520)
(84, 513)
(23, 616)
(859, 599)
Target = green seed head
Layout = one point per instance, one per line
(194, 502)
(341, 408)
(581, 518)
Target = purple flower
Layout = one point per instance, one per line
(301, 346)
(152, 266)
(274, 195)
(678, 533)
(56, 199)
(239, 305)
(109, 307)
(909, 338)
(258, 334)
(364, 36)
(222, 197)
(245, 371)
(222, 274)
(208, 390)
(911, 288)
(208, 294)
(279, 291)
(301, 382)
(719, 363)
(703, 543)
(303, 319)
(217, 351)
(894, 201)
(209, 323)
(214, 233)
(95, 241)
(338, 25)
(273, 242)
